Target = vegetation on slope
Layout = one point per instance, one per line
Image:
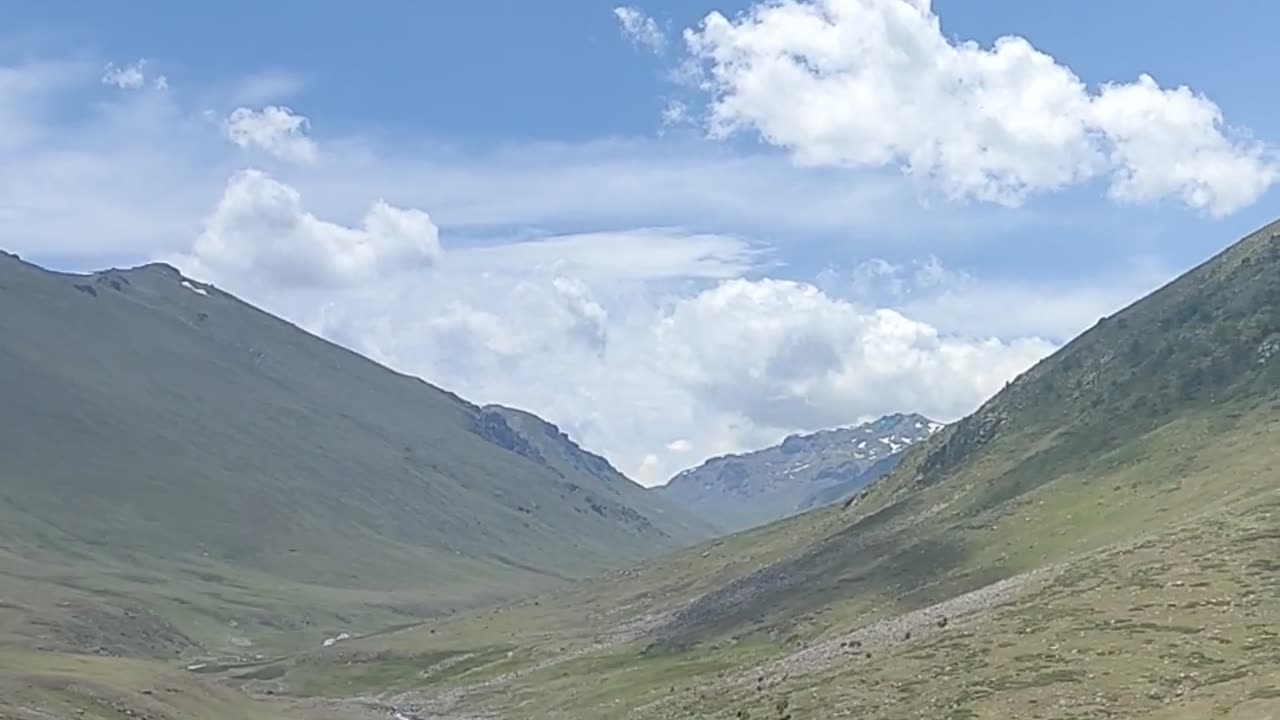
(1098, 540)
(183, 474)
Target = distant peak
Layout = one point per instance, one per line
(894, 430)
(515, 412)
(161, 268)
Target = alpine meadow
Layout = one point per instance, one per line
(777, 360)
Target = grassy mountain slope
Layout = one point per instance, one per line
(182, 468)
(1098, 540)
(804, 471)
(545, 443)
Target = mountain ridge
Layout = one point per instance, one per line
(157, 423)
(1099, 539)
(805, 470)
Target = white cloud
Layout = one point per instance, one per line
(143, 165)
(875, 83)
(639, 28)
(274, 129)
(530, 308)
(785, 355)
(675, 113)
(700, 365)
(261, 233)
(144, 171)
(129, 77)
(587, 318)
(1168, 142)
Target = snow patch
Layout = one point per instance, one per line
(194, 288)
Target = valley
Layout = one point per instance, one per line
(759, 360)
(181, 485)
(1097, 540)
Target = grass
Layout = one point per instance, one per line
(186, 478)
(1122, 635)
(42, 686)
(1128, 484)
(1168, 599)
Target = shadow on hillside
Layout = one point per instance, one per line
(886, 559)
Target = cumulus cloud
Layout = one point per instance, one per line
(639, 28)
(875, 83)
(721, 365)
(131, 77)
(587, 318)
(275, 129)
(611, 334)
(784, 354)
(675, 113)
(261, 232)
(1170, 143)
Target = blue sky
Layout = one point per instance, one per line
(509, 70)
(529, 203)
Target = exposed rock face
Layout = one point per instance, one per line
(803, 472)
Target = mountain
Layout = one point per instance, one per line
(736, 492)
(1099, 539)
(529, 435)
(183, 473)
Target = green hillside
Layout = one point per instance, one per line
(182, 475)
(1100, 540)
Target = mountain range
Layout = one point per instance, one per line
(194, 456)
(1097, 540)
(740, 491)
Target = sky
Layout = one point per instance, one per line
(677, 228)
